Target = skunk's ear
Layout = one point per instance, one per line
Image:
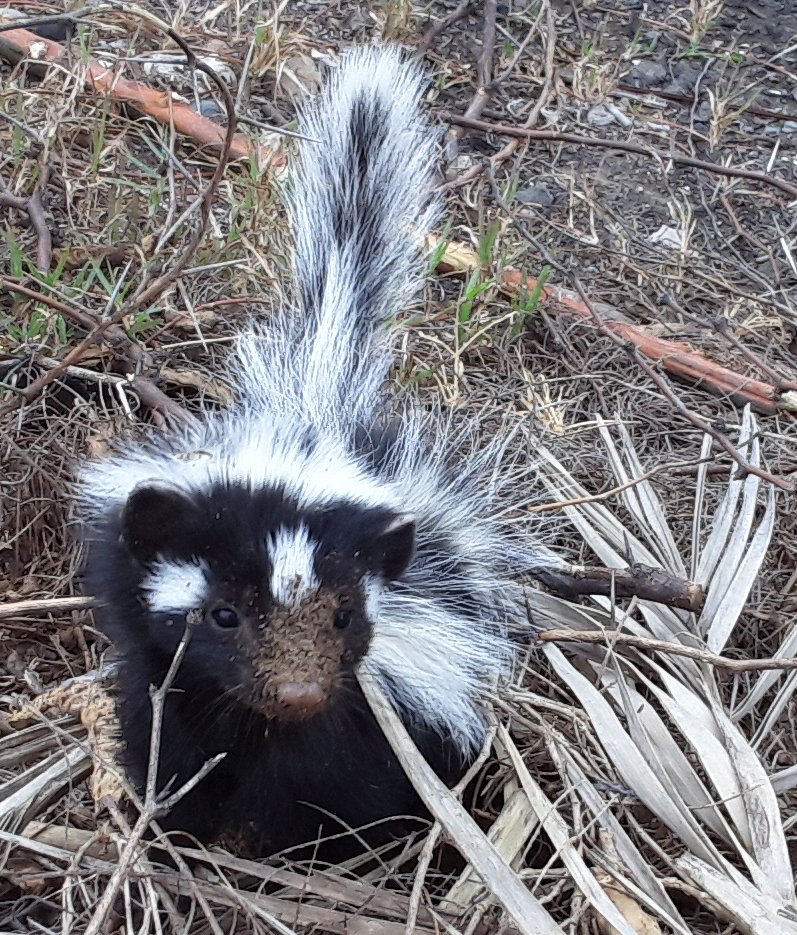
(391, 551)
(158, 517)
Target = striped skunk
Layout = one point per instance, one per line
(319, 526)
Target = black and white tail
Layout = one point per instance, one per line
(361, 207)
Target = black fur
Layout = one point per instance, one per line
(280, 784)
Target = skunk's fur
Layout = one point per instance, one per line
(317, 526)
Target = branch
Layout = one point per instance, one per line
(154, 804)
(638, 580)
(544, 97)
(33, 207)
(613, 638)
(484, 71)
(17, 44)
(677, 358)
(47, 605)
(440, 26)
(627, 146)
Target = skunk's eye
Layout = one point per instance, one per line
(342, 619)
(225, 617)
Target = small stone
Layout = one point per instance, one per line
(646, 74)
(703, 111)
(212, 109)
(536, 194)
(600, 116)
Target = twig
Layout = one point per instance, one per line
(679, 359)
(530, 917)
(613, 637)
(557, 136)
(623, 90)
(698, 421)
(484, 71)
(16, 44)
(84, 319)
(722, 326)
(33, 207)
(638, 580)
(705, 426)
(546, 94)
(51, 19)
(153, 804)
(46, 605)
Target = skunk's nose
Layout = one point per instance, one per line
(301, 699)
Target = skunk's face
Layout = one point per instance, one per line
(280, 600)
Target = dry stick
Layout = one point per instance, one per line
(705, 426)
(556, 136)
(150, 395)
(724, 379)
(16, 44)
(47, 605)
(612, 638)
(722, 326)
(679, 359)
(484, 70)
(153, 805)
(698, 421)
(545, 95)
(84, 319)
(530, 917)
(651, 94)
(638, 580)
(152, 286)
(33, 207)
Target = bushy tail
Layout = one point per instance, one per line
(361, 207)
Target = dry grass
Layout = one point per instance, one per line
(622, 790)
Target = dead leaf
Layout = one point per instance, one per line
(641, 921)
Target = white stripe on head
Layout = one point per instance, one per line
(293, 575)
(175, 586)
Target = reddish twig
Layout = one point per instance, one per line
(722, 326)
(675, 357)
(557, 136)
(152, 285)
(16, 44)
(697, 421)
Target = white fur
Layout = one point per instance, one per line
(319, 371)
(292, 554)
(438, 666)
(176, 586)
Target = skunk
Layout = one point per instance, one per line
(320, 526)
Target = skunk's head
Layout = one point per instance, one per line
(280, 597)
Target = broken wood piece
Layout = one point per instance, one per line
(675, 357)
(18, 44)
(638, 580)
